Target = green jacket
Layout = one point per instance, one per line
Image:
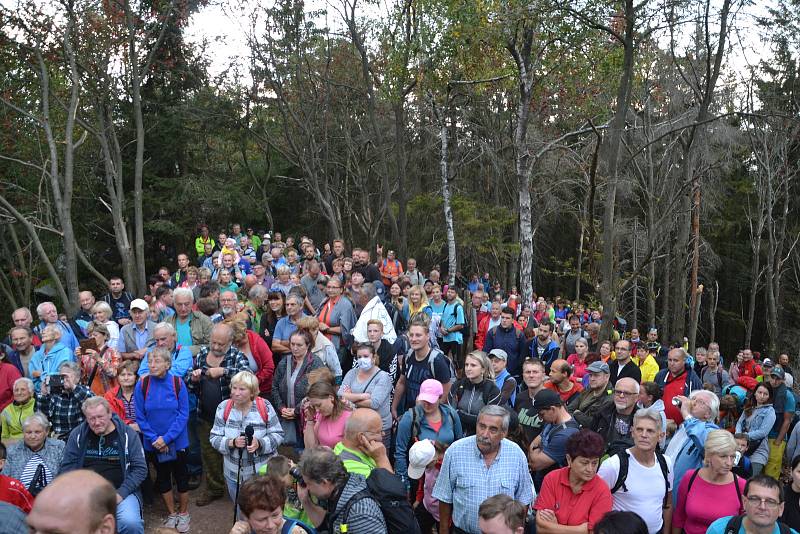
(12, 417)
(199, 325)
(354, 461)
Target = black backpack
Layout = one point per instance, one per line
(624, 461)
(735, 523)
(389, 492)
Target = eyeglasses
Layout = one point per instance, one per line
(624, 393)
(767, 503)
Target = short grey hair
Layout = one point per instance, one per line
(37, 418)
(71, 366)
(54, 329)
(711, 397)
(295, 297)
(165, 327)
(648, 413)
(369, 291)
(257, 292)
(183, 292)
(27, 381)
(493, 410)
(94, 402)
(164, 354)
(320, 464)
(40, 308)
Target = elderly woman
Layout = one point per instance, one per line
(476, 390)
(245, 409)
(121, 398)
(259, 356)
(162, 411)
(36, 456)
(323, 348)
(49, 357)
(98, 367)
(282, 282)
(711, 492)
(261, 501)
(756, 421)
(20, 409)
(368, 386)
(574, 496)
(102, 314)
(290, 384)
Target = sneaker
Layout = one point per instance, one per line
(182, 525)
(171, 521)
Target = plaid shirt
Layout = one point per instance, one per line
(64, 410)
(233, 362)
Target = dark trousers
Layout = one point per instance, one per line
(427, 523)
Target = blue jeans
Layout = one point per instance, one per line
(194, 463)
(129, 516)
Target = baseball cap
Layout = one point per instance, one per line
(767, 363)
(419, 456)
(430, 391)
(778, 373)
(598, 367)
(498, 353)
(139, 304)
(546, 398)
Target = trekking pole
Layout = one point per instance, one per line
(238, 478)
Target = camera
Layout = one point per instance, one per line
(297, 476)
(56, 384)
(676, 401)
(652, 345)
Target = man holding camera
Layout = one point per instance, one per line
(326, 490)
(61, 398)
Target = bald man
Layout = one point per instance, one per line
(91, 510)
(616, 426)
(362, 448)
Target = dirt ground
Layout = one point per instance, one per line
(215, 518)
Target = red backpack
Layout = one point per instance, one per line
(261, 406)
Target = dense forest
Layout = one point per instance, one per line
(639, 155)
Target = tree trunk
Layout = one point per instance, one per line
(608, 285)
(444, 169)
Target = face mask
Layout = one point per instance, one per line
(365, 364)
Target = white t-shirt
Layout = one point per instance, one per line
(645, 495)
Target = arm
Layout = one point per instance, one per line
(263, 354)
(182, 364)
(537, 459)
(509, 386)
(217, 434)
(787, 420)
(69, 461)
(445, 514)
(141, 414)
(381, 391)
(401, 446)
(667, 514)
(315, 513)
(544, 526)
(274, 436)
(137, 466)
(766, 425)
(399, 393)
(275, 394)
(310, 432)
(280, 345)
(181, 418)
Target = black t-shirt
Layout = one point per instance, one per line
(529, 419)
(210, 397)
(791, 510)
(120, 307)
(103, 457)
(419, 371)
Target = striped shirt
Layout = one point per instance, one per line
(365, 517)
(465, 481)
(30, 470)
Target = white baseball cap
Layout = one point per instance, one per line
(419, 456)
(139, 304)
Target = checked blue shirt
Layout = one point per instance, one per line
(465, 481)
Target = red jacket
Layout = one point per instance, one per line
(8, 375)
(483, 328)
(14, 492)
(263, 357)
(113, 398)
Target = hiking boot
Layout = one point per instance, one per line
(182, 525)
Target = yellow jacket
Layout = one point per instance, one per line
(649, 367)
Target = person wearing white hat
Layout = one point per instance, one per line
(424, 462)
(506, 383)
(136, 337)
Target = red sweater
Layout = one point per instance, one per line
(14, 492)
(8, 375)
(263, 357)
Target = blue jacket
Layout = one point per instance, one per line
(448, 433)
(690, 454)
(163, 413)
(134, 467)
(182, 362)
(693, 381)
(550, 354)
(48, 363)
(512, 341)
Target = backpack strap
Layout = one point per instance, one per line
(623, 472)
(345, 513)
(227, 411)
(694, 476)
(734, 524)
(662, 463)
(738, 492)
(261, 406)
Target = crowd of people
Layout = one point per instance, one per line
(323, 390)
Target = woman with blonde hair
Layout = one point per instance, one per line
(228, 436)
(102, 314)
(475, 390)
(715, 489)
(416, 304)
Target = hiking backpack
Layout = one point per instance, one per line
(389, 492)
(261, 406)
(735, 523)
(624, 462)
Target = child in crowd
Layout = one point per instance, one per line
(425, 462)
(280, 466)
(743, 467)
